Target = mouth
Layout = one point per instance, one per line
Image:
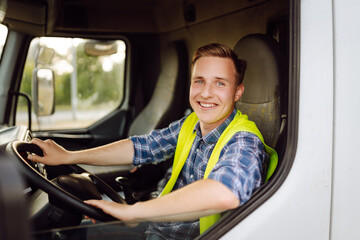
(207, 105)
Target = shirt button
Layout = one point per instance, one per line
(192, 176)
(197, 150)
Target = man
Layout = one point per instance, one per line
(216, 167)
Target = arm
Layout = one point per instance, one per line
(116, 153)
(201, 198)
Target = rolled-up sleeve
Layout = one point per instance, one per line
(157, 146)
(240, 165)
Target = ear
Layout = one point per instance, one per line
(239, 92)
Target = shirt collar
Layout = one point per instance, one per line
(214, 135)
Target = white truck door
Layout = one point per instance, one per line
(345, 213)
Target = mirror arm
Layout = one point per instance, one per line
(28, 100)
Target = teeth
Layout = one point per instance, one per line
(207, 105)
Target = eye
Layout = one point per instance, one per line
(198, 81)
(220, 83)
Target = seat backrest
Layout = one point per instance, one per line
(261, 100)
(168, 100)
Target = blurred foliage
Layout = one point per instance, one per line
(27, 75)
(95, 83)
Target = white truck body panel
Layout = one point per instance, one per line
(346, 190)
(320, 197)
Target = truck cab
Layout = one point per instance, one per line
(88, 73)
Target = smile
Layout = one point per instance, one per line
(207, 105)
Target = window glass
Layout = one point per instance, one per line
(89, 80)
(3, 35)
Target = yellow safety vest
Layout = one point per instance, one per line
(186, 137)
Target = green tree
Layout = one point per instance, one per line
(94, 82)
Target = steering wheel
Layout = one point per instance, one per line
(58, 191)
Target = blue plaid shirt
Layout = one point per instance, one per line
(239, 166)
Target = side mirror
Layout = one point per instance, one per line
(43, 82)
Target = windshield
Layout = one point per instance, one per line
(88, 78)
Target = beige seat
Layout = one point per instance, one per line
(167, 102)
(263, 99)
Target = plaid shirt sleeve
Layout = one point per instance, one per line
(157, 146)
(240, 165)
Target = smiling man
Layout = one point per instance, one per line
(218, 154)
(214, 90)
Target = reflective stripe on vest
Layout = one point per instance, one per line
(186, 137)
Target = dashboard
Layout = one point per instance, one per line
(19, 133)
(14, 133)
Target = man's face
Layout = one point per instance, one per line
(213, 91)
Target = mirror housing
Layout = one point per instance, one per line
(44, 56)
(43, 82)
(100, 48)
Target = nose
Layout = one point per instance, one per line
(206, 91)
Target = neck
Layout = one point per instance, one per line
(208, 127)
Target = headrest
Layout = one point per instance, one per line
(261, 98)
(263, 71)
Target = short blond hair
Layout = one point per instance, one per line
(220, 50)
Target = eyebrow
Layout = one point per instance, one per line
(217, 78)
(223, 79)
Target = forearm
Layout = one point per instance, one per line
(116, 153)
(202, 198)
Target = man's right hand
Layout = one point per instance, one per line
(54, 154)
